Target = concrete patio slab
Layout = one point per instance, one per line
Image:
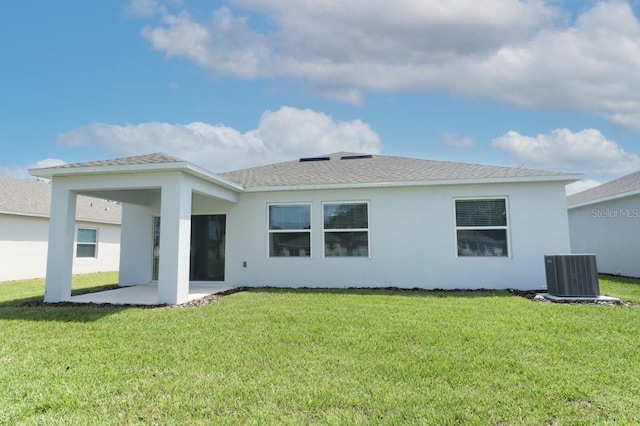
(554, 298)
(144, 294)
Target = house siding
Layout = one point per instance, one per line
(24, 243)
(23, 247)
(609, 230)
(412, 240)
(411, 232)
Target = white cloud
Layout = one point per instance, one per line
(285, 134)
(524, 52)
(585, 151)
(580, 186)
(227, 46)
(47, 162)
(455, 140)
(15, 172)
(145, 8)
(23, 172)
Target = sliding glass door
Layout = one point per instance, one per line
(208, 247)
(208, 237)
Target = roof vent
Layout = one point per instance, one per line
(308, 159)
(356, 157)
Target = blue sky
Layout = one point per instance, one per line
(230, 84)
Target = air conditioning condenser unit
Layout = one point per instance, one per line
(572, 275)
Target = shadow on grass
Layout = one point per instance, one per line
(385, 291)
(52, 312)
(33, 308)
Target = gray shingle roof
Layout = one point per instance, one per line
(343, 169)
(24, 197)
(620, 186)
(156, 158)
(332, 169)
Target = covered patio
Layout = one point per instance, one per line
(146, 294)
(149, 186)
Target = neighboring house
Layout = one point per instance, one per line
(340, 220)
(24, 231)
(605, 221)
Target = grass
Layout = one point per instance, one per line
(624, 288)
(271, 356)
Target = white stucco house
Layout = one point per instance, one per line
(24, 231)
(340, 220)
(605, 221)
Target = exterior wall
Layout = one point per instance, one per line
(610, 231)
(411, 232)
(412, 239)
(23, 248)
(137, 242)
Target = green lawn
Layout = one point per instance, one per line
(321, 357)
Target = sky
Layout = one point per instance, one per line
(544, 84)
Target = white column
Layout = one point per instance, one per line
(175, 241)
(61, 239)
(136, 240)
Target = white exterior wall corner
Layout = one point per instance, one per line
(610, 230)
(412, 239)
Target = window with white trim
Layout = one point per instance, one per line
(289, 230)
(346, 229)
(87, 242)
(482, 228)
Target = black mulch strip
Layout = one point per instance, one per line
(527, 294)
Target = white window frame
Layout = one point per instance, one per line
(290, 231)
(367, 230)
(83, 243)
(506, 227)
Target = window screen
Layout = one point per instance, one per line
(481, 228)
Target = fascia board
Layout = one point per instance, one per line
(183, 166)
(530, 179)
(13, 213)
(49, 173)
(204, 174)
(46, 216)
